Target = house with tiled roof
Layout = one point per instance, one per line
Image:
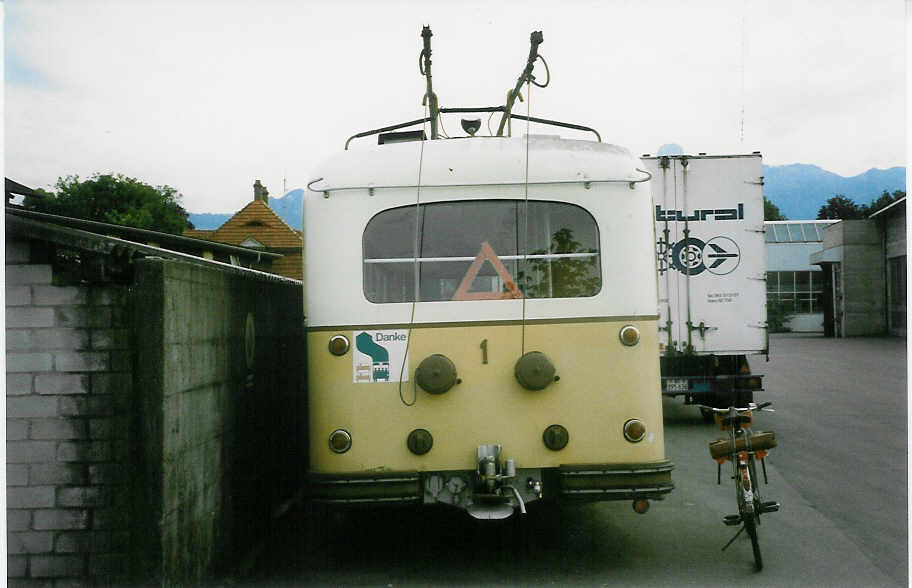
(258, 227)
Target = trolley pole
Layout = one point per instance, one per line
(536, 39)
(424, 66)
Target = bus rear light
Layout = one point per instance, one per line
(634, 430)
(556, 437)
(419, 441)
(640, 505)
(339, 344)
(340, 441)
(629, 335)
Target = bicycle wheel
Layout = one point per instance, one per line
(750, 523)
(755, 486)
(747, 508)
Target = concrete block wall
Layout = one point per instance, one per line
(221, 362)
(68, 396)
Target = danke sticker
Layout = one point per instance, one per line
(380, 356)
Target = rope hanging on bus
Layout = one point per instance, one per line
(525, 269)
(417, 273)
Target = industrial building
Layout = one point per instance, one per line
(841, 278)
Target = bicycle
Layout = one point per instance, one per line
(742, 449)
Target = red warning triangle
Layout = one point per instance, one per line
(462, 292)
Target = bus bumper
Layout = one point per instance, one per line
(616, 481)
(590, 482)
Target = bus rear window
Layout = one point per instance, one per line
(481, 250)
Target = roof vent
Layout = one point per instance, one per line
(402, 137)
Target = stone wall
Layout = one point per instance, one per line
(222, 413)
(68, 397)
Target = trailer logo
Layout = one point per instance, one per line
(719, 214)
(380, 356)
(720, 256)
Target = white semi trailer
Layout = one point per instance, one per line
(712, 273)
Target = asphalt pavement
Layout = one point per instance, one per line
(839, 472)
(841, 422)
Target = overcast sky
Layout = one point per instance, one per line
(207, 96)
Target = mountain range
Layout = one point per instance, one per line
(798, 189)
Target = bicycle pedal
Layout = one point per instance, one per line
(732, 520)
(771, 506)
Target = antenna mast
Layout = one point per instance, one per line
(424, 66)
(536, 39)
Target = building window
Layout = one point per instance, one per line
(795, 232)
(474, 250)
(251, 242)
(798, 292)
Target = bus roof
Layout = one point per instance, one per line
(478, 161)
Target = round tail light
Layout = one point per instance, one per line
(340, 441)
(629, 335)
(634, 430)
(338, 344)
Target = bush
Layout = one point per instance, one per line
(778, 313)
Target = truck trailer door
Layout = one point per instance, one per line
(710, 252)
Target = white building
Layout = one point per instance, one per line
(791, 279)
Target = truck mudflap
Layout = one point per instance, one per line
(616, 481)
(462, 489)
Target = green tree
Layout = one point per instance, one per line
(841, 208)
(771, 211)
(115, 199)
(883, 201)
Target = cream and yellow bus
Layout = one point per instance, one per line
(482, 324)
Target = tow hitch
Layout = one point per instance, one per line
(495, 489)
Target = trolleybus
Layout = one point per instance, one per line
(482, 319)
